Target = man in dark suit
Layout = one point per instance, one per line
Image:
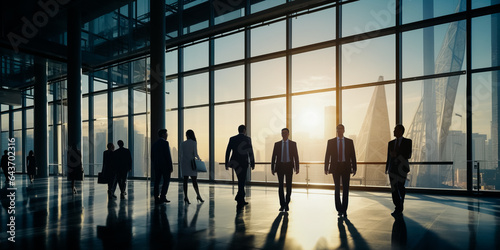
(161, 161)
(241, 158)
(340, 160)
(123, 164)
(285, 159)
(397, 166)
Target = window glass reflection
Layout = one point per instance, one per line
(417, 10)
(229, 84)
(365, 16)
(227, 119)
(268, 118)
(313, 28)
(100, 106)
(171, 89)
(196, 56)
(485, 42)
(141, 147)
(197, 120)
(269, 38)
(230, 48)
(196, 89)
(268, 77)
(120, 102)
(120, 131)
(365, 61)
(313, 123)
(313, 70)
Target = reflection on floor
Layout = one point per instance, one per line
(49, 216)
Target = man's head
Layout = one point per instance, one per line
(242, 129)
(399, 130)
(285, 133)
(162, 133)
(110, 146)
(340, 130)
(120, 143)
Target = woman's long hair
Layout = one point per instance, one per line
(190, 135)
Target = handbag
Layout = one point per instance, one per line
(102, 178)
(198, 165)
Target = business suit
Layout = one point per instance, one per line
(397, 167)
(161, 161)
(284, 167)
(239, 155)
(123, 164)
(340, 169)
(109, 171)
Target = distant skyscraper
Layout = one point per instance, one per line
(431, 123)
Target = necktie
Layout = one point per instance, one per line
(341, 147)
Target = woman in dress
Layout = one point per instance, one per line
(31, 162)
(188, 152)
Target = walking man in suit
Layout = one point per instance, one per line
(161, 161)
(241, 152)
(397, 166)
(285, 159)
(340, 160)
(123, 160)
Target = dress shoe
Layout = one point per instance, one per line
(198, 198)
(282, 208)
(186, 200)
(122, 196)
(397, 213)
(345, 214)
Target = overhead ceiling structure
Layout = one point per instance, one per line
(110, 32)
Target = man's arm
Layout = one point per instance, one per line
(273, 159)
(250, 153)
(295, 154)
(327, 156)
(228, 153)
(353, 159)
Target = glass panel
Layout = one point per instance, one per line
(173, 138)
(269, 38)
(30, 145)
(365, 16)
(18, 135)
(485, 43)
(196, 56)
(482, 3)
(196, 89)
(228, 10)
(268, 118)
(85, 108)
(4, 107)
(100, 140)
(100, 84)
(230, 84)
(85, 84)
(18, 119)
(172, 93)
(30, 118)
(230, 48)
(85, 152)
(434, 114)
(171, 65)
(313, 70)
(4, 136)
(313, 119)
(485, 127)
(140, 101)
(313, 28)
(268, 77)
(120, 131)
(259, 5)
(5, 122)
(422, 56)
(197, 120)
(368, 117)
(101, 107)
(141, 147)
(120, 102)
(366, 61)
(227, 119)
(416, 10)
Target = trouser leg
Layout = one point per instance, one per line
(345, 190)
(289, 175)
(166, 183)
(336, 181)
(281, 193)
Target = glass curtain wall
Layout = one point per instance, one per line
(367, 68)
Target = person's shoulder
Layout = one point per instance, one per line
(334, 139)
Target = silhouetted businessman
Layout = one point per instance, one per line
(284, 160)
(161, 161)
(340, 160)
(123, 164)
(241, 152)
(397, 166)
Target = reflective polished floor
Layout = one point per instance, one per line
(49, 216)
